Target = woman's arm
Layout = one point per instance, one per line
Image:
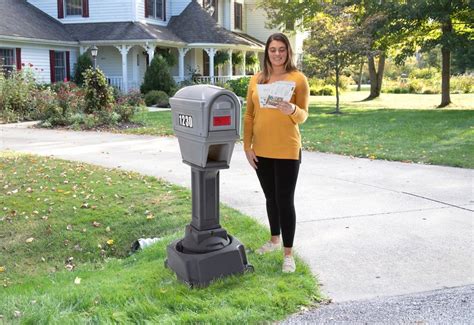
(301, 100)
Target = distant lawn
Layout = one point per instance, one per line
(58, 215)
(399, 127)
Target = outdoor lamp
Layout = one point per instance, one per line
(94, 51)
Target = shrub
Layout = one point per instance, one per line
(415, 86)
(16, 95)
(124, 112)
(463, 84)
(133, 98)
(239, 86)
(158, 98)
(425, 73)
(324, 91)
(84, 62)
(98, 95)
(158, 77)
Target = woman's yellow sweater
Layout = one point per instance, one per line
(269, 132)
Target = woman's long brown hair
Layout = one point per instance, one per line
(267, 65)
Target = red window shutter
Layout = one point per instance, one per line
(68, 67)
(60, 9)
(146, 8)
(18, 58)
(85, 8)
(51, 65)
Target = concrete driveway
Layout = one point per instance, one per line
(367, 228)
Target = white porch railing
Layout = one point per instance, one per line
(117, 82)
(211, 80)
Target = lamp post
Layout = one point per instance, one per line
(94, 51)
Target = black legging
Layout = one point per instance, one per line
(278, 180)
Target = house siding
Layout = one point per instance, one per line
(99, 11)
(36, 58)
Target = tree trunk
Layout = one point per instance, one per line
(337, 92)
(446, 68)
(359, 82)
(376, 77)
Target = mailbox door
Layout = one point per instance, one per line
(223, 113)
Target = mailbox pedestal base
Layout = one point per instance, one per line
(201, 269)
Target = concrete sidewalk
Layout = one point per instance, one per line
(367, 228)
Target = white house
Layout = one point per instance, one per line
(47, 36)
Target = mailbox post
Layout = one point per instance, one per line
(206, 120)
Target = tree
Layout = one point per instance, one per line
(423, 25)
(158, 76)
(336, 41)
(84, 62)
(369, 16)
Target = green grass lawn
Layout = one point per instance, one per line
(399, 127)
(65, 235)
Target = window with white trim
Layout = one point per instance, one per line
(7, 60)
(73, 7)
(211, 7)
(60, 66)
(156, 9)
(237, 15)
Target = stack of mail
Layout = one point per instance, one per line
(270, 95)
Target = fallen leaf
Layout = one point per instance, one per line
(96, 224)
(17, 313)
(110, 242)
(69, 227)
(29, 240)
(2, 269)
(77, 280)
(107, 229)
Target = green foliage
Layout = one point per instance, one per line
(322, 91)
(84, 62)
(78, 269)
(462, 84)
(237, 58)
(16, 95)
(251, 62)
(166, 54)
(158, 98)
(66, 100)
(220, 58)
(158, 77)
(98, 94)
(239, 86)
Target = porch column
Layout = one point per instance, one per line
(182, 52)
(151, 53)
(124, 51)
(229, 74)
(243, 62)
(211, 52)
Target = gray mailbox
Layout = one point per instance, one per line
(206, 120)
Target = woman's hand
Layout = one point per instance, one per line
(252, 158)
(286, 108)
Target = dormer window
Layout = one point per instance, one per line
(155, 9)
(73, 8)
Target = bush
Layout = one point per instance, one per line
(158, 77)
(84, 62)
(16, 95)
(98, 95)
(158, 98)
(239, 86)
(323, 91)
(463, 84)
(425, 73)
(133, 98)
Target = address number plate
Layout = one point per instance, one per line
(185, 120)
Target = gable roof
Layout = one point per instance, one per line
(195, 25)
(121, 31)
(21, 19)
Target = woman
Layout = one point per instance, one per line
(272, 143)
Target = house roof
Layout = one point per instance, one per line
(195, 25)
(23, 20)
(121, 31)
(20, 19)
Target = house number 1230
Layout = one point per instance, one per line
(185, 120)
